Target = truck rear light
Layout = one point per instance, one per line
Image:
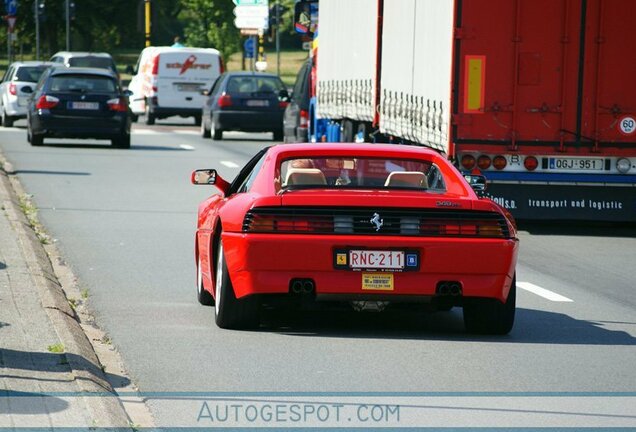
(155, 65)
(12, 89)
(117, 105)
(468, 162)
(623, 165)
(484, 162)
(499, 162)
(47, 102)
(224, 101)
(531, 163)
(303, 121)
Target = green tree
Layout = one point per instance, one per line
(210, 23)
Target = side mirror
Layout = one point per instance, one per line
(27, 89)
(477, 182)
(204, 177)
(129, 70)
(283, 96)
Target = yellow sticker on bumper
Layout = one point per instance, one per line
(377, 281)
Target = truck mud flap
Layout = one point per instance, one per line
(554, 202)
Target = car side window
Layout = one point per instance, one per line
(247, 184)
(297, 92)
(215, 86)
(7, 75)
(251, 168)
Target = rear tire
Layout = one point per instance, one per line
(150, 118)
(216, 133)
(205, 132)
(230, 312)
(279, 135)
(490, 316)
(204, 297)
(34, 140)
(7, 120)
(197, 120)
(122, 141)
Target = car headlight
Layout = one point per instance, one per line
(623, 165)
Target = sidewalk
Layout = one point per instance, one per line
(50, 376)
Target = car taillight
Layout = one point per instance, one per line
(287, 224)
(155, 65)
(117, 104)
(468, 162)
(47, 102)
(470, 228)
(483, 162)
(283, 104)
(304, 119)
(13, 89)
(531, 163)
(499, 162)
(224, 101)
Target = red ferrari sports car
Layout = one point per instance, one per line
(370, 225)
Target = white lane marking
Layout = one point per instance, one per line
(145, 132)
(229, 164)
(185, 132)
(542, 292)
(186, 147)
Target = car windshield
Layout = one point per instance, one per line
(362, 173)
(29, 73)
(96, 62)
(248, 85)
(82, 83)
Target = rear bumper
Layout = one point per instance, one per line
(484, 267)
(14, 109)
(78, 127)
(249, 121)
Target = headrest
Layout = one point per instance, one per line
(304, 176)
(415, 179)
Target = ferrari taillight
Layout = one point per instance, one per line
(47, 102)
(472, 228)
(288, 224)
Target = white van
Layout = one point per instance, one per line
(168, 81)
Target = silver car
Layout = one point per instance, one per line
(16, 87)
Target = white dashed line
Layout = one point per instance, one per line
(542, 292)
(185, 132)
(229, 164)
(186, 147)
(145, 132)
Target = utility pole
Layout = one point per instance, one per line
(67, 12)
(277, 6)
(36, 12)
(147, 13)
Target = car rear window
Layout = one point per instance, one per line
(29, 73)
(82, 83)
(356, 172)
(96, 62)
(249, 85)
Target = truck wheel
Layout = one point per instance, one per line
(150, 118)
(7, 120)
(230, 312)
(197, 120)
(217, 134)
(279, 135)
(490, 316)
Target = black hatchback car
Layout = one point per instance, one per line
(79, 103)
(245, 101)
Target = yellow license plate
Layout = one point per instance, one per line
(377, 281)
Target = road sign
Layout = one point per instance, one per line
(251, 22)
(11, 22)
(249, 48)
(251, 2)
(251, 11)
(11, 6)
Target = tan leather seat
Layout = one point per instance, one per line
(304, 176)
(415, 179)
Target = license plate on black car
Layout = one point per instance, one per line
(84, 105)
(257, 103)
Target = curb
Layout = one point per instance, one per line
(85, 366)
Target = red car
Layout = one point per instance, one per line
(371, 225)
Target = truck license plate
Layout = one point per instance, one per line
(576, 164)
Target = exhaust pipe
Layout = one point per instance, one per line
(443, 289)
(455, 289)
(296, 286)
(308, 286)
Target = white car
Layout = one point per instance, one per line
(16, 87)
(168, 81)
